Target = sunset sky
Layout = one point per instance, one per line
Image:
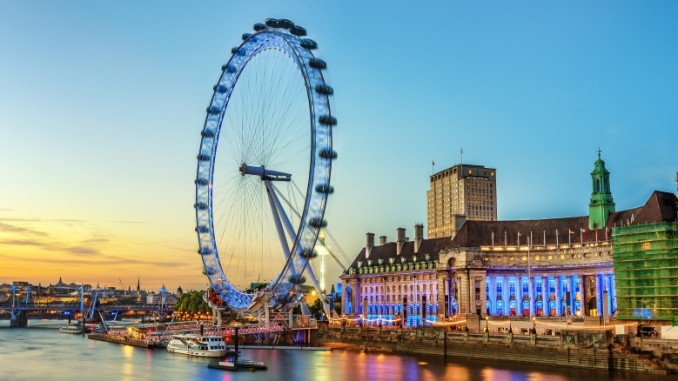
(102, 104)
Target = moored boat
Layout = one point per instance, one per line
(198, 345)
(71, 328)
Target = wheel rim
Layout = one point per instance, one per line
(260, 138)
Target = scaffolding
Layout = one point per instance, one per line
(646, 271)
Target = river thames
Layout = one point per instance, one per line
(42, 353)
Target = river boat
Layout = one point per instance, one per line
(198, 345)
(74, 329)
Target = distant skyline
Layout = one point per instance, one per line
(101, 107)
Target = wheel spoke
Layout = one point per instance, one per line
(270, 120)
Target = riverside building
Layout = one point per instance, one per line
(459, 193)
(547, 267)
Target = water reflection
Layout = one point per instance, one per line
(454, 372)
(35, 354)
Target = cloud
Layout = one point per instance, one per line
(97, 260)
(128, 222)
(95, 241)
(79, 250)
(20, 242)
(7, 228)
(87, 252)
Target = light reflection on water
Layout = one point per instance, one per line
(36, 354)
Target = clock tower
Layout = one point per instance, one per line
(601, 204)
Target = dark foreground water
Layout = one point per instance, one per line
(45, 354)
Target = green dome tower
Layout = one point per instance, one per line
(601, 204)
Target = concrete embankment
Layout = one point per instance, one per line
(121, 339)
(527, 349)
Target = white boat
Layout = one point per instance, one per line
(71, 328)
(198, 345)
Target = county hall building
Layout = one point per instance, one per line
(474, 264)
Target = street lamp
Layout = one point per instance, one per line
(534, 325)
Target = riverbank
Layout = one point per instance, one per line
(122, 339)
(589, 350)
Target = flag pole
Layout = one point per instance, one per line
(581, 236)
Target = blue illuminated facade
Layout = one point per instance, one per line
(526, 268)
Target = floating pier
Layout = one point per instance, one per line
(238, 365)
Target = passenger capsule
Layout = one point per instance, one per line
(205, 251)
(273, 23)
(202, 181)
(207, 133)
(298, 31)
(221, 89)
(214, 110)
(324, 188)
(327, 120)
(285, 24)
(307, 43)
(231, 69)
(328, 153)
(238, 51)
(200, 205)
(297, 279)
(317, 63)
(317, 222)
(308, 253)
(203, 157)
(259, 27)
(245, 36)
(202, 229)
(324, 89)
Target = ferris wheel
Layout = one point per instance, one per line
(264, 166)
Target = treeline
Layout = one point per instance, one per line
(192, 302)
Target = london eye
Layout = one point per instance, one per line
(264, 168)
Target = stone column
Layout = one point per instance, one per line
(344, 296)
(519, 299)
(506, 308)
(355, 296)
(613, 298)
(491, 283)
(463, 288)
(442, 290)
(573, 293)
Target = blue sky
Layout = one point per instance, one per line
(102, 103)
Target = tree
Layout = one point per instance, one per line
(317, 309)
(192, 302)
